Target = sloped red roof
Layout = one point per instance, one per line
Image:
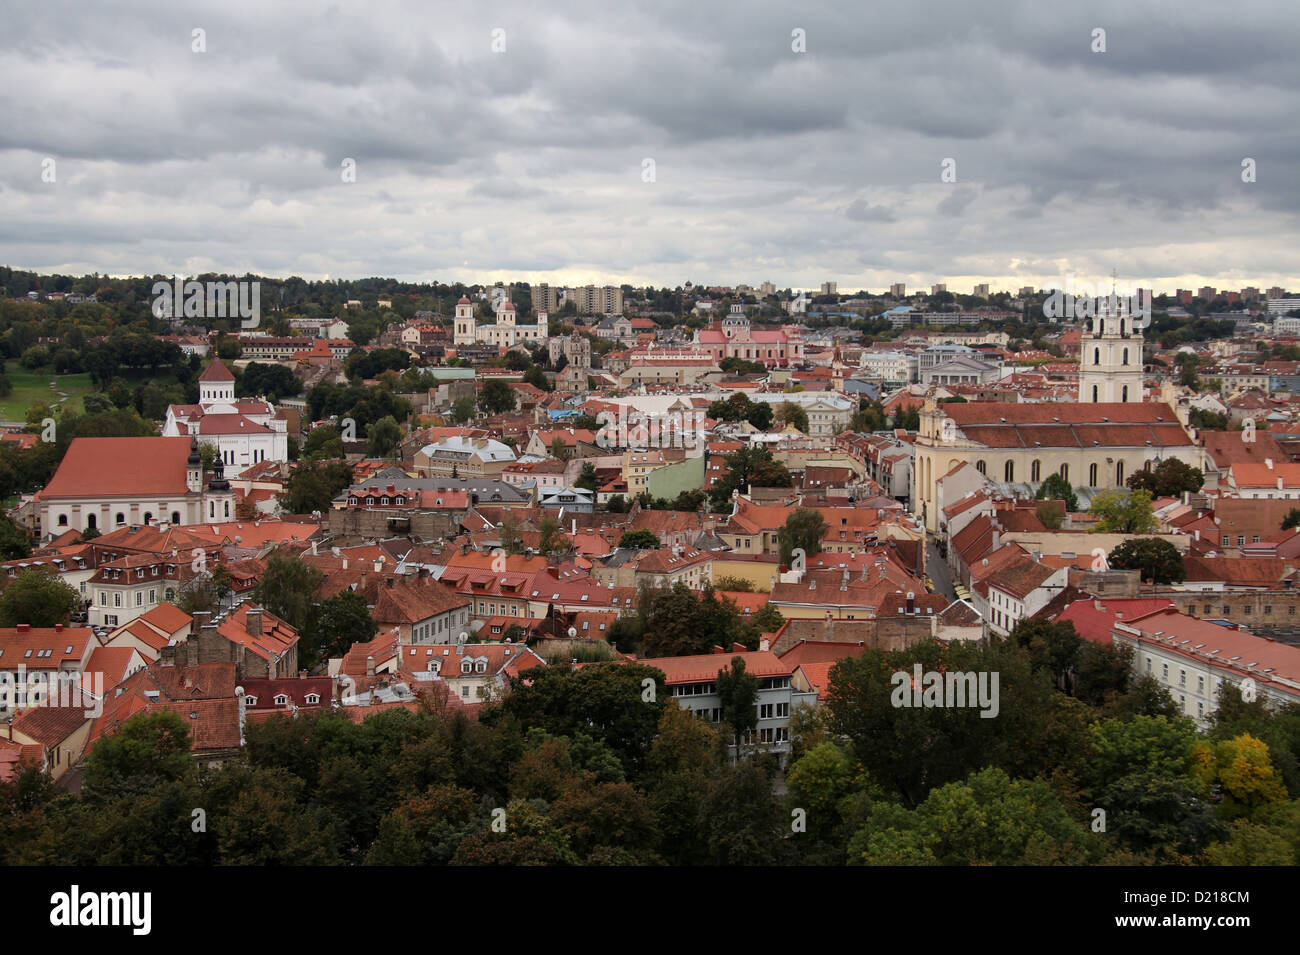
(120, 467)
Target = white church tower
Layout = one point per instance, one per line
(1110, 362)
(464, 333)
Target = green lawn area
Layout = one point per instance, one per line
(31, 388)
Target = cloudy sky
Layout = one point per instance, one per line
(656, 142)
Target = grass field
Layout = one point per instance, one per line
(31, 388)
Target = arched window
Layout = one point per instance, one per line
(148, 517)
(1125, 361)
(1119, 474)
(1092, 475)
(90, 521)
(982, 468)
(1065, 471)
(63, 520)
(176, 518)
(227, 508)
(1036, 471)
(1125, 394)
(1096, 356)
(1094, 394)
(121, 518)
(1009, 471)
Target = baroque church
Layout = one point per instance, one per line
(1096, 443)
(506, 332)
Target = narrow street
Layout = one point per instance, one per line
(937, 569)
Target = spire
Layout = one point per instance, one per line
(218, 482)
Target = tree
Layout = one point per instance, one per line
(384, 435)
(1169, 479)
(39, 598)
(14, 542)
(588, 477)
(288, 589)
(339, 622)
(1157, 559)
(1057, 488)
(495, 397)
(325, 441)
(805, 528)
(738, 693)
(552, 540)
(150, 748)
(1120, 512)
(510, 540)
(1292, 519)
(559, 450)
(643, 539)
(789, 413)
(313, 486)
(462, 409)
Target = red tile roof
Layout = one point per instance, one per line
(120, 467)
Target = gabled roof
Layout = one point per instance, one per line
(120, 467)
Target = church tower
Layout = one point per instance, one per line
(1110, 360)
(219, 501)
(464, 331)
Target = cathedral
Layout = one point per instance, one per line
(505, 332)
(1096, 443)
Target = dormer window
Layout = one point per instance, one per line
(480, 667)
(250, 701)
(281, 699)
(313, 698)
(467, 667)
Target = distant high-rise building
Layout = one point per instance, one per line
(1249, 293)
(830, 288)
(598, 300)
(1185, 296)
(898, 290)
(981, 290)
(1026, 291)
(936, 289)
(1206, 292)
(767, 288)
(1276, 292)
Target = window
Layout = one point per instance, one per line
(117, 600)
(1124, 396)
(1096, 360)
(1009, 472)
(1209, 609)
(1119, 470)
(110, 620)
(1125, 361)
(1164, 671)
(1095, 399)
(1065, 471)
(281, 699)
(250, 701)
(982, 468)
(1092, 475)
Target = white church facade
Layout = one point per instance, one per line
(243, 432)
(506, 332)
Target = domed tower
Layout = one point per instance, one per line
(1110, 361)
(219, 501)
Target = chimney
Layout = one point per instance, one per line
(1268, 463)
(345, 563)
(764, 644)
(58, 628)
(828, 629)
(253, 622)
(24, 627)
(370, 666)
(379, 566)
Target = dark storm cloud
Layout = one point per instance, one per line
(530, 163)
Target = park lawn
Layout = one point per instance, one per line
(32, 388)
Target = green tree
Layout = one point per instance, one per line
(288, 589)
(462, 409)
(738, 693)
(496, 397)
(805, 528)
(339, 622)
(646, 540)
(789, 413)
(384, 436)
(150, 748)
(39, 598)
(1168, 479)
(1120, 512)
(1057, 488)
(511, 542)
(1292, 519)
(1157, 559)
(14, 542)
